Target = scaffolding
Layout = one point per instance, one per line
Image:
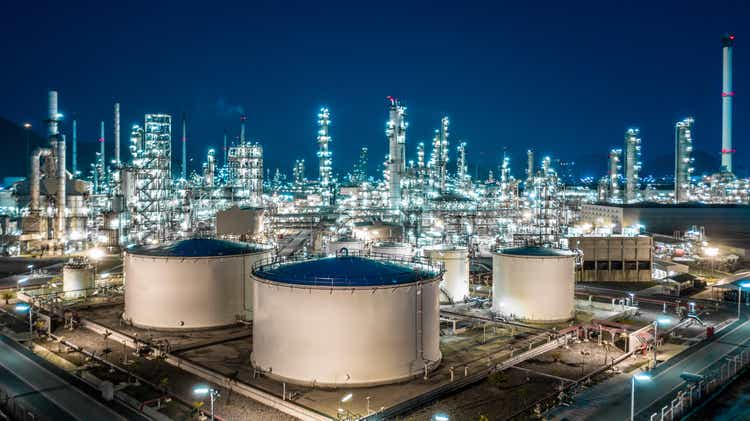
(153, 179)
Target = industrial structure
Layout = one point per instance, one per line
(384, 316)
(534, 284)
(683, 170)
(190, 284)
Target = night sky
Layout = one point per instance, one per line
(566, 78)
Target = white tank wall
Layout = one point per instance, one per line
(76, 279)
(188, 293)
(456, 277)
(344, 336)
(352, 246)
(534, 288)
(393, 249)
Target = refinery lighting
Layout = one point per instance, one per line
(401, 231)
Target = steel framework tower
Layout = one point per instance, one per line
(683, 141)
(614, 174)
(461, 165)
(632, 165)
(727, 97)
(153, 184)
(325, 160)
(395, 131)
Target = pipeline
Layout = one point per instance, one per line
(36, 176)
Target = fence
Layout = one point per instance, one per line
(696, 392)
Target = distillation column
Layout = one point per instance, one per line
(395, 131)
(683, 140)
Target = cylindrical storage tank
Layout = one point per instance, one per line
(352, 246)
(346, 321)
(78, 278)
(392, 249)
(534, 284)
(190, 284)
(456, 277)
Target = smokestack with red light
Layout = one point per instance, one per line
(727, 96)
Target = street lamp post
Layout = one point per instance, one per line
(211, 392)
(639, 377)
(27, 129)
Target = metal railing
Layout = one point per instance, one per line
(696, 393)
(17, 410)
(421, 269)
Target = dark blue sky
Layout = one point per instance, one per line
(565, 78)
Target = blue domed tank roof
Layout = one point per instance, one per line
(345, 271)
(196, 247)
(536, 252)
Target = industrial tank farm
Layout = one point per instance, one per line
(456, 277)
(346, 321)
(534, 284)
(78, 278)
(189, 284)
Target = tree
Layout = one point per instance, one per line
(8, 295)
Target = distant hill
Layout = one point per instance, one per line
(13, 161)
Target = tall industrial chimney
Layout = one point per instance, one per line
(727, 95)
(226, 151)
(102, 161)
(75, 147)
(243, 119)
(117, 133)
(52, 114)
(184, 146)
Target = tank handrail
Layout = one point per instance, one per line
(422, 269)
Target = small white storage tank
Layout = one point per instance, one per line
(456, 277)
(346, 321)
(392, 249)
(534, 284)
(352, 245)
(78, 278)
(190, 284)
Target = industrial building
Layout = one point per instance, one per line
(614, 257)
(725, 224)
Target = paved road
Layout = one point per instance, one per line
(611, 399)
(48, 393)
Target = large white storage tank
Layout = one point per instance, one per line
(78, 278)
(346, 321)
(456, 277)
(352, 246)
(190, 284)
(534, 284)
(392, 249)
